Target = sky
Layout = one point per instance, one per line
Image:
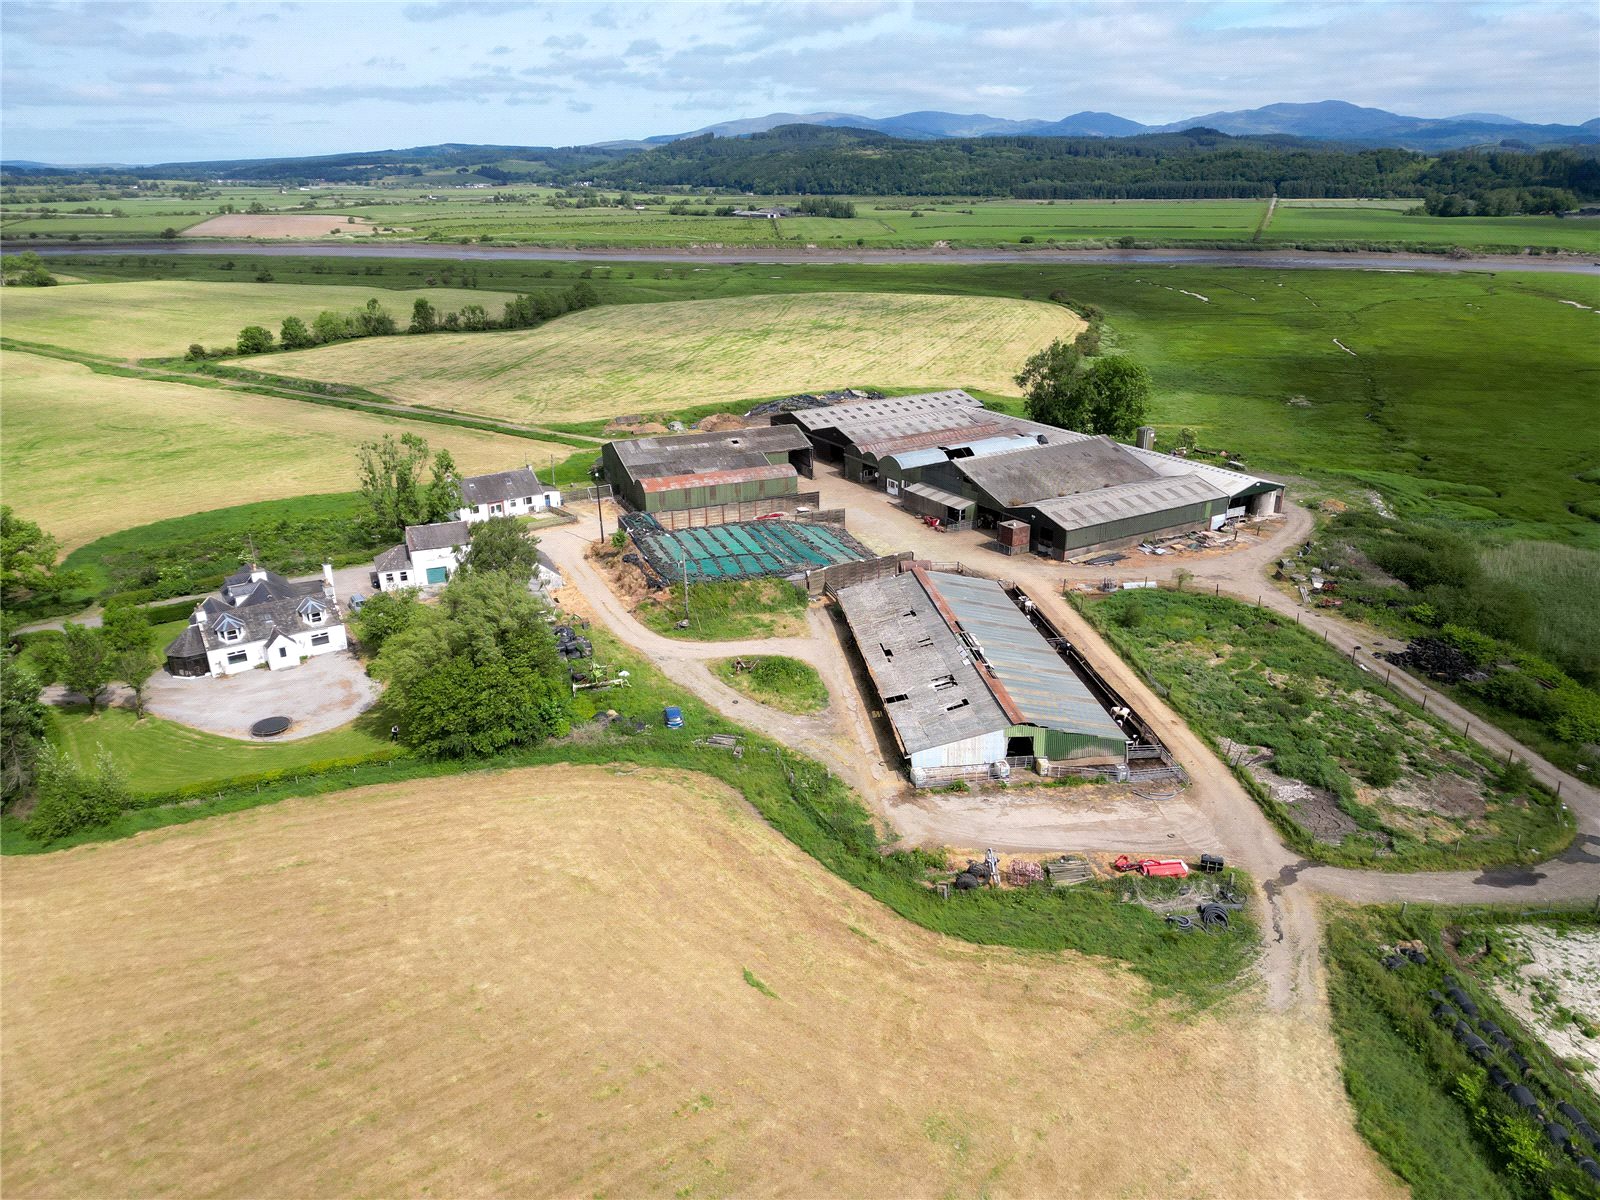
(162, 82)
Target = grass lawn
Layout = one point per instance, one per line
(162, 756)
(160, 318)
(629, 359)
(729, 612)
(86, 455)
(1352, 773)
(780, 682)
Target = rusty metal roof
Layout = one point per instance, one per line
(671, 483)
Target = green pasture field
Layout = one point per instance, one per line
(1457, 398)
(162, 756)
(1328, 221)
(441, 210)
(1405, 792)
(87, 454)
(160, 318)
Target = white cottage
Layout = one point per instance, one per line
(259, 619)
(505, 494)
(429, 555)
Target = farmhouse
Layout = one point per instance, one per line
(258, 618)
(429, 555)
(697, 470)
(969, 685)
(1053, 491)
(504, 494)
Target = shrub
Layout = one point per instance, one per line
(71, 799)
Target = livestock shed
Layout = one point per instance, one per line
(860, 436)
(1090, 493)
(698, 470)
(967, 683)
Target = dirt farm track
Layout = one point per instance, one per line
(448, 987)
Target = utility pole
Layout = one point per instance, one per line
(686, 587)
(600, 512)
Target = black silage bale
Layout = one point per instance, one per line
(1522, 1098)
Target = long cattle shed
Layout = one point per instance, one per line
(946, 456)
(968, 683)
(700, 470)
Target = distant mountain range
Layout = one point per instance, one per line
(1327, 120)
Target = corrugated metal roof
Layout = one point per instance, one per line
(668, 483)
(911, 654)
(1232, 482)
(1037, 678)
(907, 460)
(692, 451)
(939, 496)
(1129, 500)
(1029, 475)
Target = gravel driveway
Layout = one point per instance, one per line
(320, 694)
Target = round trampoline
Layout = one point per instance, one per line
(269, 726)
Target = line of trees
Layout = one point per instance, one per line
(524, 311)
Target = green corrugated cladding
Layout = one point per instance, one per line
(1198, 514)
(1059, 745)
(727, 493)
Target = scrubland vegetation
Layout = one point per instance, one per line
(1386, 786)
(783, 683)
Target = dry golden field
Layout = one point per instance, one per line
(160, 318)
(544, 983)
(661, 357)
(86, 454)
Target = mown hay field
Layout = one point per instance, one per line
(659, 357)
(86, 455)
(160, 318)
(589, 981)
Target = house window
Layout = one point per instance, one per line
(494, 508)
(315, 616)
(477, 508)
(402, 576)
(237, 657)
(283, 652)
(230, 634)
(528, 500)
(320, 639)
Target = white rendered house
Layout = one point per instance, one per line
(259, 619)
(505, 494)
(428, 557)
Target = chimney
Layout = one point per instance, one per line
(327, 582)
(1145, 437)
(256, 573)
(199, 617)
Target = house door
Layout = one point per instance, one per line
(437, 574)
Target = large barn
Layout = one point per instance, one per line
(698, 470)
(946, 456)
(967, 682)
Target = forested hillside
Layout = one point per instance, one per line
(1196, 164)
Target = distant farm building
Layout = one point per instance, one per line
(971, 687)
(1052, 491)
(741, 468)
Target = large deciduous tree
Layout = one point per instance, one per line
(294, 335)
(1049, 385)
(27, 563)
(254, 339)
(1117, 391)
(84, 662)
(478, 673)
(391, 471)
(22, 727)
(502, 544)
